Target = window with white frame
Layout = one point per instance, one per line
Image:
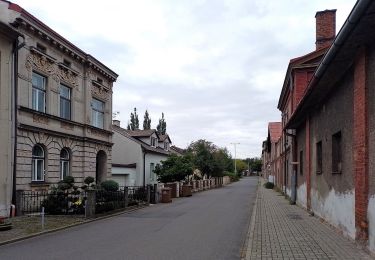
(153, 141)
(65, 102)
(166, 146)
(38, 158)
(97, 113)
(64, 163)
(39, 92)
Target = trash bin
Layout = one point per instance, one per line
(186, 190)
(166, 195)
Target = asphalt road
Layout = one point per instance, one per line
(209, 225)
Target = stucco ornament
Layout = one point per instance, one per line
(41, 63)
(69, 77)
(100, 93)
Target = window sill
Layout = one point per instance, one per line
(338, 172)
(39, 184)
(319, 172)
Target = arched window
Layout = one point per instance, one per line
(64, 163)
(38, 163)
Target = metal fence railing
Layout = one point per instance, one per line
(57, 202)
(137, 195)
(109, 200)
(53, 202)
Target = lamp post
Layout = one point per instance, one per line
(235, 153)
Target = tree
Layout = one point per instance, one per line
(146, 121)
(175, 168)
(222, 162)
(255, 164)
(241, 165)
(162, 126)
(134, 121)
(202, 153)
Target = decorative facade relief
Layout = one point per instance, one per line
(100, 92)
(40, 119)
(68, 76)
(67, 126)
(42, 63)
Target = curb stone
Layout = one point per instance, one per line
(246, 248)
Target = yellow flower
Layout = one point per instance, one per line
(78, 202)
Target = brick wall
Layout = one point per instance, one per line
(360, 146)
(325, 28)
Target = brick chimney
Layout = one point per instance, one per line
(116, 123)
(325, 28)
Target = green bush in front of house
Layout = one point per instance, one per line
(109, 185)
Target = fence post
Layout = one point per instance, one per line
(148, 194)
(90, 204)
(126, 196)
(19, 204)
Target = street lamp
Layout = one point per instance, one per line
(235, 162)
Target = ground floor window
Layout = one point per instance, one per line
(38, 157)
(64, 163)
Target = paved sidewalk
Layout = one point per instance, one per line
(279, 230)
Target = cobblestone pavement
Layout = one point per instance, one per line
(282, 231)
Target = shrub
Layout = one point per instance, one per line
(68, 179)
(233, 177)
(109, 185)
(88, 180)
(268, 185)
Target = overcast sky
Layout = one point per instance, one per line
(214, 67)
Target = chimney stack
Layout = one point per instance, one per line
(116, 123)
(325, 28)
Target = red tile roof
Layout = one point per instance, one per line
(275, 129)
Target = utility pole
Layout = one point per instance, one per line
(235, 154)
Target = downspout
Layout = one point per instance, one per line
(14, 94)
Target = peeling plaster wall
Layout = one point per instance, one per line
(301, 195)
(336, 208)
(371, 220)
(288, 192)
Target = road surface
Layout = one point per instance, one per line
(209, 225)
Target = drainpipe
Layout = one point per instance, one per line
(14, 98)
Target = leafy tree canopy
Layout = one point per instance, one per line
(211, 160)
(175, 168)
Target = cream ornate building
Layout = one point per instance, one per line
(62, 109)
